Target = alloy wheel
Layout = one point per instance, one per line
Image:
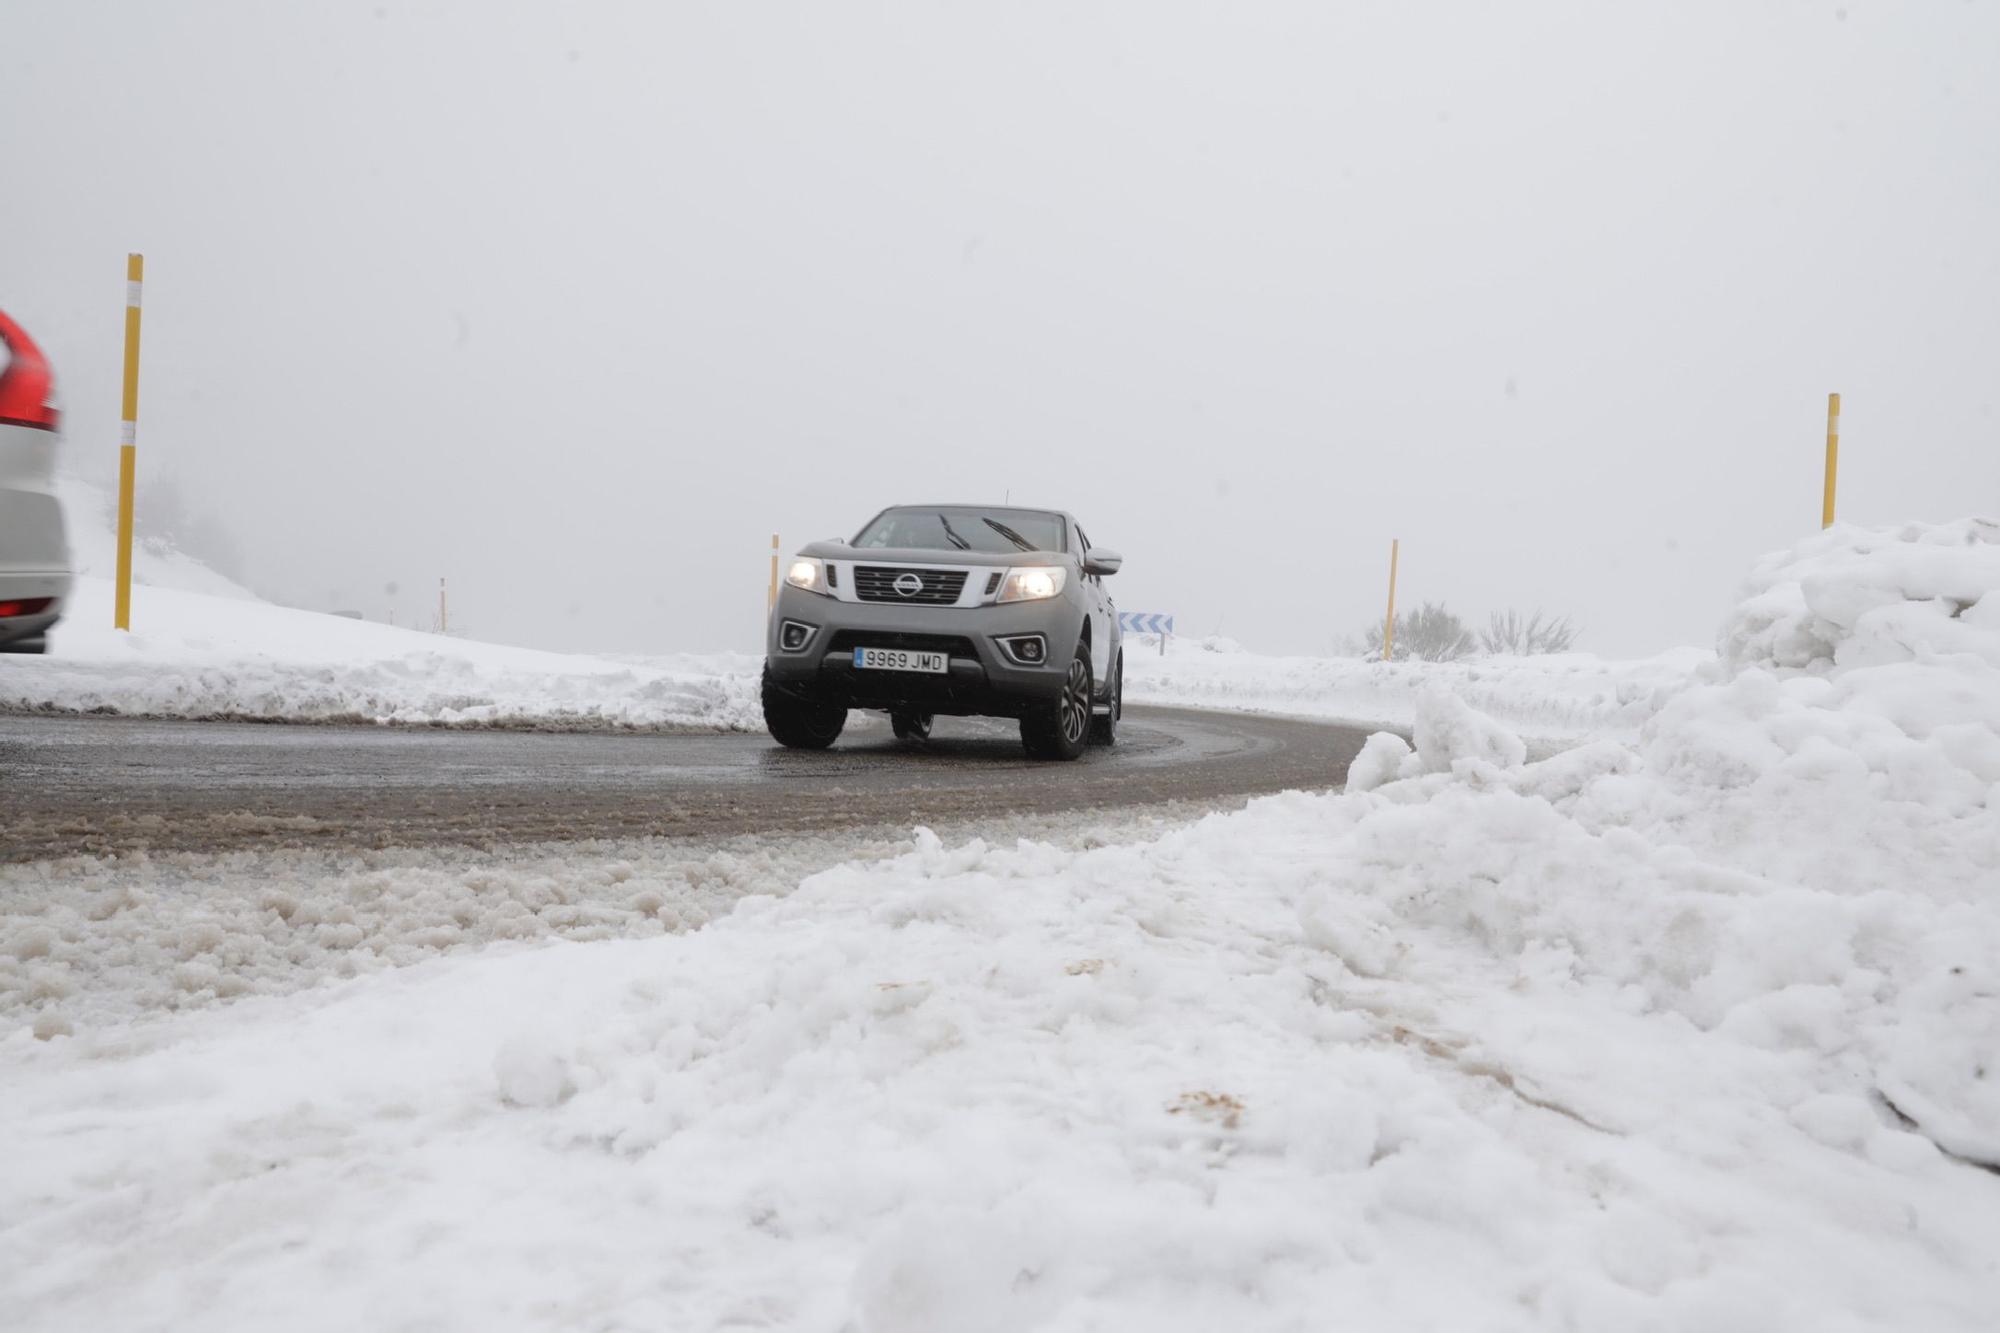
(1076, 701)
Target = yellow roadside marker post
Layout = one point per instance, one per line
(771, 602)
(1389, 621)
(128, 440)
(1832, 458)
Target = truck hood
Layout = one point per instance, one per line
(876, 555)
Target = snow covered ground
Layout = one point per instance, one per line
(1553, 697)
(217, 657)
(1695, 1026)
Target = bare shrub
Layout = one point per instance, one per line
(1515, 634)
(1430, 634)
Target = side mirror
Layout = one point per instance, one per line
(1102, 560)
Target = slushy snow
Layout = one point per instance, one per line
(96, 941)
(1692, 1026)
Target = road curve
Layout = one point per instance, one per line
(104, 784)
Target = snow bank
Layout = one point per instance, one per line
(1856, 597)
(1448, 733)
(1556, 697)
(1803, 853)
(204, 647)
(1691, 1030)
(194, 655)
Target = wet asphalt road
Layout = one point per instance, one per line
(103, 784)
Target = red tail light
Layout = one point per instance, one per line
(25, 384)
(32, 606)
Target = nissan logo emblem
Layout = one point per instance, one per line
(908, 585)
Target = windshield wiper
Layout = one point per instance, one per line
(956, 540)
(1009, 534)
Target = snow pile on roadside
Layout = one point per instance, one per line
(1447, 733)
(1859, 597)
(204, 647)
(1557, 696)
(1691, 1032)
(193, 655)
(1803, 854)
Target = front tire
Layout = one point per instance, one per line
(1059, 730)
(800, 724)
(1104, 727)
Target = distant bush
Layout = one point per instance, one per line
(1430, 634)
(1509, 632)
(1436, 635)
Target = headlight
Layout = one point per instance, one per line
(1033, 585)
(808, 573)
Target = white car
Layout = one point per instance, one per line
(34, 550)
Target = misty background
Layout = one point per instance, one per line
(577, 305)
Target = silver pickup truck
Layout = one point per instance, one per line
(954, 609)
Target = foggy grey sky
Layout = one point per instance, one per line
(577, 305)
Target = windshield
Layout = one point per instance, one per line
(950, 528)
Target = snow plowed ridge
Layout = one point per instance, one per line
(441, 684)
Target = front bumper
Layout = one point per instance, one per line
(17, 585)
(981, 678)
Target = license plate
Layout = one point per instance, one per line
(900, 659)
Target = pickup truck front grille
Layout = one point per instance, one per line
(934, 587)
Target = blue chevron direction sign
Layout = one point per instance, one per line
(1144, 622)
